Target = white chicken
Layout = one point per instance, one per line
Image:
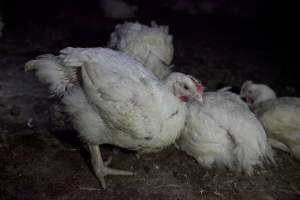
(256, 93)
(118, 9)
(118, 101)
(1, 26)
(279, 116)
(151, 46)
(224, 133)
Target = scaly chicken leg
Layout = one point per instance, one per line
(100, 168)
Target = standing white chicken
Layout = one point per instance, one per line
(224, 132)
(120, 102)
(280, 116)
(151, 46)
(1, 26)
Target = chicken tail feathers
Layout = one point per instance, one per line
(50, 70)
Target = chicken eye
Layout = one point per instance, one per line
(185, 87)
(249, 92)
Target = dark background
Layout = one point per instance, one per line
(258, 24)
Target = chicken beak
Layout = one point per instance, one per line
(199, 98)
(249, 100)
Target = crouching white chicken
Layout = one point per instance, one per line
(151, 46)
(118, 101)
(280, 116)
(1, 26)
(223, 132)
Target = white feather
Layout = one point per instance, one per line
(119, 101)
(280, 116)
(50, 70)
(114, 99)
(150, 45)
(224, 132)
(256, 93)
(281, 120)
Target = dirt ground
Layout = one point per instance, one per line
(41, 157)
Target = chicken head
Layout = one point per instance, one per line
(256, 93)
(186, 87)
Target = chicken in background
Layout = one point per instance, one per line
(150, 45)
(280, 116)
(222, 132)
(113, 99)
(1, 26)
(117, 9)
(256, 93)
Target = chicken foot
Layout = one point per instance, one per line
(100, 168)
(278, 145)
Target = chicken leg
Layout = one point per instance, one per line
(100, 168)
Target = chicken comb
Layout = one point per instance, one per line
(198, 84)
(199, 87)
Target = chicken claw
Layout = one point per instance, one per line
(100, 168)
